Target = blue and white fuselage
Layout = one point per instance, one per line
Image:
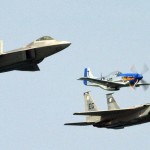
(113, 81)
(117, 76)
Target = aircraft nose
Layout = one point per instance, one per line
(65, 43)
(140, 76)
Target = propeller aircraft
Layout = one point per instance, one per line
(115, 80)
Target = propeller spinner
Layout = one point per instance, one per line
(145, 69)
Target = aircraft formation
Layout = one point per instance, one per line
(28, 57)
(114, 117)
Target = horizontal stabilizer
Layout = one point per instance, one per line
(80, 123)
(29, 68)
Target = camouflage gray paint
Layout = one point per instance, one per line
(114, 117)
(26, 58)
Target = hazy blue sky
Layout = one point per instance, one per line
(106, 36)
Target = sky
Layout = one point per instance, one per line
(106, 36)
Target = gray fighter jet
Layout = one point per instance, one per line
(114, 117)
(28, 57)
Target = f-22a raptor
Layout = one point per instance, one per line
(115, 80)
(114, 117)
(28, 57)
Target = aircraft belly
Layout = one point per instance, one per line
(137, 121)
(14, 61)
(108, 88)
(116, 121)
(15, 66)
(12, 58)
(124, 123)
(43, 52)
(118, 116)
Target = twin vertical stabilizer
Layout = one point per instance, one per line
(111, 103)
(90, 107)
(93, 114)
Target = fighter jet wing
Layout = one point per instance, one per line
(102, 82)
(112, 113)
(29, 68)
(80, 123)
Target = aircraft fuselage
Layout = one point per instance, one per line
(26, 58)
(126, 119)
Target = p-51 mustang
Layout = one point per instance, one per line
(28, 57)
(114, 117)
(114, 81)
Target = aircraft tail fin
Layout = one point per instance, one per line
(87, 73)
(90, 106)
(112, 105)
(1, 46)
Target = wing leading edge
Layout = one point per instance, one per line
(108, 113)
(102, 82)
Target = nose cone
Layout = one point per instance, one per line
(61, 45)
(64, 44)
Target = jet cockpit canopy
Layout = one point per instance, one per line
(45, 38)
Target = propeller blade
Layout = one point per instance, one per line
(133, 88)
(145, 69)
(145, 87)
(133, 69)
